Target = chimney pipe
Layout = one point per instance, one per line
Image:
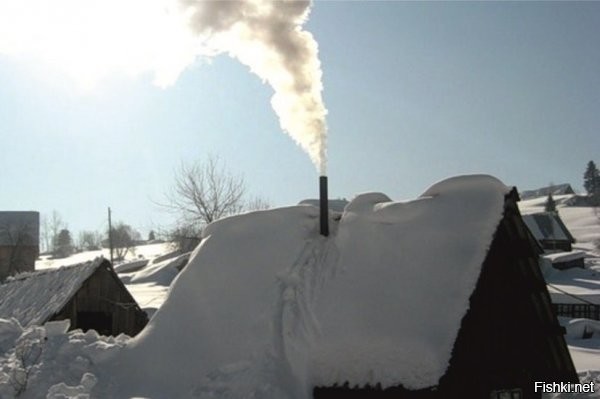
(324, 206)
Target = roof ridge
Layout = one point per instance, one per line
(26, 275)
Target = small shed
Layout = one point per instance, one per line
(19, 242)
(90, 295)
(550, 231)
(508, 338)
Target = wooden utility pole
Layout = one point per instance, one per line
(110, 241)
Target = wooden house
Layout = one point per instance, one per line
(509, 337)
(19, 242)
(556, 189)
(90, 295)
(550, 231)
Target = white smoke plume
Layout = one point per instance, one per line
(91, 38)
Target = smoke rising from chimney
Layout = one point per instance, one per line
(90, 39)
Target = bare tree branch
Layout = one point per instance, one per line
(204, 192)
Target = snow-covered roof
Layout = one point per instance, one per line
(266, 303)
(547, 226)
(564, 256)
(33, 298)
(556, 189)
(573, 285)
(336, 205)
(22, 228)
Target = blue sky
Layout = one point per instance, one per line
(416, 92)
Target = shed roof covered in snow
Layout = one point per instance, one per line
(89, 294)
(32, 298)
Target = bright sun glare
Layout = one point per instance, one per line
(90, 39)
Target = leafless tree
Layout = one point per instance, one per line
(89, 240)
(204, 192)
(257, 204)
(50, 227)
(45, 233)
(123, 239)
(183, 237)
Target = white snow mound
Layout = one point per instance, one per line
(268, 308)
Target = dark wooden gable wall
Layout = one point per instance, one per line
(104, 304)
(508, 339)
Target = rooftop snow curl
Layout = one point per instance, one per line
(267, 305)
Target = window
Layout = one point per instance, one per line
(515, 393)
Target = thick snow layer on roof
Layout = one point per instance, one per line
(404, 278)
(336, 205)
(161, 273)
(564, 256)
(584, 224)
(32, 298)
(583, 338)
(574, 285)
(268, 307)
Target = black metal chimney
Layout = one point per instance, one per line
(324, 205)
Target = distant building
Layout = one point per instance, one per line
(90, 295)
(550, 231)
(19, 242)
(557, 189)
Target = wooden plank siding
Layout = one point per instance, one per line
(104, 295)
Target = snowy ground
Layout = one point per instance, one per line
(142, 251)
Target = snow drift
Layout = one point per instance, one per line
(269, 308)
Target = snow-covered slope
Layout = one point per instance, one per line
(144, 251)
